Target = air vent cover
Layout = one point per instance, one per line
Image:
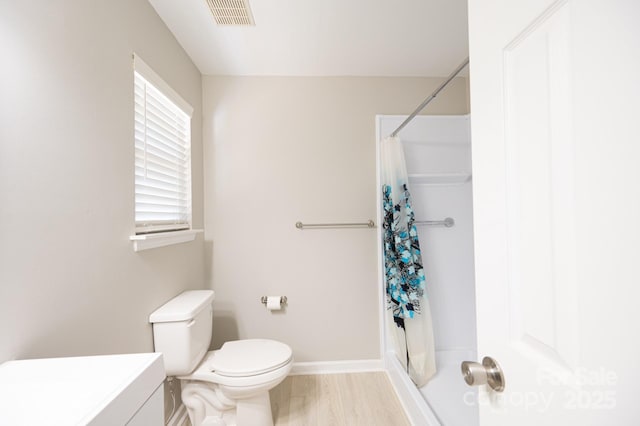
(231, 12)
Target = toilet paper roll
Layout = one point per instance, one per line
(273, 303)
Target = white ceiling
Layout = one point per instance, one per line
(325, 38)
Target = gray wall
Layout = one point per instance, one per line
(70, 283)
(283, 149)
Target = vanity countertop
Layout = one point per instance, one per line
(95, 390)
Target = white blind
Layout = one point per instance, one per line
(162, 159)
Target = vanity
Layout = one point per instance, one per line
(104, 390)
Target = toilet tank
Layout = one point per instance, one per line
(182, 330)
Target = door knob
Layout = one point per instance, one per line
(489, 372)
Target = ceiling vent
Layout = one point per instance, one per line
(231, 12)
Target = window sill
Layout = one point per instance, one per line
(161, 239)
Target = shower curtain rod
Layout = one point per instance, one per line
(431, 97)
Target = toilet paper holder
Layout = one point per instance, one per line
(283, 300)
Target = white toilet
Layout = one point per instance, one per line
(229, 386)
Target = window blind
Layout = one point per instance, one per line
(162, 157)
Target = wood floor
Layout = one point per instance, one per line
(366, 399)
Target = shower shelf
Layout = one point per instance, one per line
(439, 178)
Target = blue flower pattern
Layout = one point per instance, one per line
(403, 261)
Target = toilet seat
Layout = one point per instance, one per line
(244, 363)
(250, 357)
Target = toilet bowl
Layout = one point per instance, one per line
(239, 375)
(226, 387)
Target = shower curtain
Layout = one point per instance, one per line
(407, 303)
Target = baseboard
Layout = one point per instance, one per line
(336, 367)
(180, 417)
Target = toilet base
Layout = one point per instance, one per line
(207, 405)
(254, 411)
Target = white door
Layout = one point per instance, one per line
(555, 111)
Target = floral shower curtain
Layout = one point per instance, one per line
(407, 303)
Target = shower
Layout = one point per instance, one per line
(438, 161)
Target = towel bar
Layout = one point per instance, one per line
(369, 224)
(447, 222)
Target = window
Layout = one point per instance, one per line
(162, 154)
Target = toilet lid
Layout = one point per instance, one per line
(249, 357)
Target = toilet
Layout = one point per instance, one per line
(225, 387)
